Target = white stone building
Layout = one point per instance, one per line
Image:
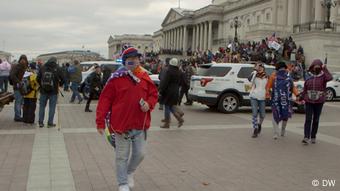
(5, 56)
(210, 26)
(70, 56)
(143, 43)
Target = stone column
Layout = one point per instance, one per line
(176, 37)
(291, 14)
(274, 12)
(334, 12)
(201, 36)
(172, 37)
(210, 35)
(180, 39)
(318, 11)
(220, 30)
(205, 36)
(185, 40)
(197, 36)
(193, 43)
(304, 11)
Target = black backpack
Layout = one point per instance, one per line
(47, 80)
(26, 87)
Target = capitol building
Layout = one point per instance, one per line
(213, 26)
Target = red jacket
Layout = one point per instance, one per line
(121, 97)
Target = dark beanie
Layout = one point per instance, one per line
(280, 65)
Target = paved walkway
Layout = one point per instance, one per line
(211, 152)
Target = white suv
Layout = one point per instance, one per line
(224, 86)
(333, 87)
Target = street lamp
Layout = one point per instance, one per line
(235, 24)
(328, 4)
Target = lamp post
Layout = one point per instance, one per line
(328, 4)
(235, 24)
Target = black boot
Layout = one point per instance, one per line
(259, 130)
(87, 109)
(256, 130)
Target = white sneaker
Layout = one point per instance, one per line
(124, 188)
(283, 133)
(275, 137)
(131, 181)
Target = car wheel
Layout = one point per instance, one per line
(228, 103)
(330, 94)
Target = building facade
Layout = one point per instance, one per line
(144, 43)
(212, 26)
(70, 56)
(5, 56)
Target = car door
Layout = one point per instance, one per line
(242, 83)
(337, 85)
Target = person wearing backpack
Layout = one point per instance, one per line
(16, 75)
(75, 78)
(50, 77)
(31, 94)
(314, 95)
(95, 83)
(279, 89)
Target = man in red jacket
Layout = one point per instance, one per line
(127, 100)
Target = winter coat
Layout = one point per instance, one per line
(74, 72)
(35, 86)
(314, 90)
(51, 66)
(121, 96)
(169, 86)
(5, 68)
(94, 81)
(16, 75)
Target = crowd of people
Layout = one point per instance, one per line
(128, 95)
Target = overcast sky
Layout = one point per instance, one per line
(34, 27)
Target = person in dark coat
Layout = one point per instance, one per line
(161, 75)
(16, 75)
(95, 83)
(107, 71)
(50, 78)
(169, 90)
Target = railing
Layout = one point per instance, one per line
(316, 26)
(269, 27)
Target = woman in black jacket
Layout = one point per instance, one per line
(169, 90)
(95, 83)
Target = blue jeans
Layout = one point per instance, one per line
(168, 109)
(3, 83)
(52, 106)
(129, 154)
(19, 101)
(75, 94)
(258, 106)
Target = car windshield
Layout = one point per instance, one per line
(215, 71)
(112, 67)
(85, 67)
(336, 76)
